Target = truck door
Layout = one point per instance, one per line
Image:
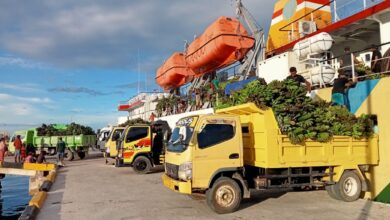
(218, 148)
(111, 143)
(137, 140)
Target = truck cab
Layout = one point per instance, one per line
(111, 140)
(102, 137)
(142, 146)
(202, 147)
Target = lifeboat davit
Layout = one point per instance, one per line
(223, 43)
(174, 72)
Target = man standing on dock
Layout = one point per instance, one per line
(61, 151)
(18, 146)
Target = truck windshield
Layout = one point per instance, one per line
(177, 145)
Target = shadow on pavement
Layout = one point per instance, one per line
(260, 196)
(365, 210)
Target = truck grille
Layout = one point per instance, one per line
(172, 170)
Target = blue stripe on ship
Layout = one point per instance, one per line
(359, 93)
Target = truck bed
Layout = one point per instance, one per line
(264, 145)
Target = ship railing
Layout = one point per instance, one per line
(342, 9)
(353, 69)
(293, 27)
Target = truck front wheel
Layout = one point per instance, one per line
(349, 186)
(225, 196)
(68, 154)
(142, 165)
(81, 154)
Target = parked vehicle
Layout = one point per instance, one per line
(102, 137)
(111, 141)
(143, 147)
(239, 148)
(75, 144)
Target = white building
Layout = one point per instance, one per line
(140, 106)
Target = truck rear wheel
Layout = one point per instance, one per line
(68, 155)
(349, 186)
(142, 165)
(81, 154)
(225, 196)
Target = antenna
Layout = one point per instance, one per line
(138, 71)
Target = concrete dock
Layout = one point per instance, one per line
(89, 189)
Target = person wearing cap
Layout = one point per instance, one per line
(298, 78)
(375, 59)
(340, 86)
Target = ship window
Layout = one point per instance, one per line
(213, 134)
(136, 133)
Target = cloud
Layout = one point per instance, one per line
(99, 34)
(77, 90)
(33, 100)
(25, 87)
(132, 85)
(17, 61)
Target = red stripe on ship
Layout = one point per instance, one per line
(356, 17)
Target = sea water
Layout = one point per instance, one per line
(14, 196)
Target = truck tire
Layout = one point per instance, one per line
(81, 154)
(349, 186)
(333, 191)
(69, 156)
(224, 196)
(142, 165)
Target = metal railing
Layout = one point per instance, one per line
(353, 69)
(342, 9)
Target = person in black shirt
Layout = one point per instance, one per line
(375, 60)
(346, 62)
(298, 78)
(339, 88)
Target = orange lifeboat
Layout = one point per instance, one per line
(223, 43)
(174, 72)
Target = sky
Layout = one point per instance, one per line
(64, 61)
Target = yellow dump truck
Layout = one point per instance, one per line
(226, 154)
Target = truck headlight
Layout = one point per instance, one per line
(185, 171)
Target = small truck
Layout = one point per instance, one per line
(75, 144)
(241, 148)
(142, 146)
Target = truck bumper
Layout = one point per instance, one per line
(177, 186)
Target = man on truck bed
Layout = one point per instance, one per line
(298, 78)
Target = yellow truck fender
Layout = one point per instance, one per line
(234, 173)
